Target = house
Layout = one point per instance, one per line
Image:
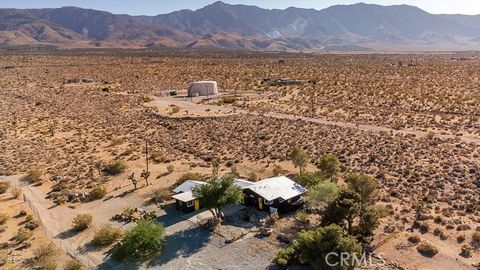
(274, 194)
(202, 88)
(185, 200)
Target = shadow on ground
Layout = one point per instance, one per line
(182, 244)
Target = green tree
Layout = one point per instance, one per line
(343, 210)
(324, 192)
(144, 240)
(218, 193)
(299, 158)
(313, 248)
(309, 180)
(329, 165)
(365, 186)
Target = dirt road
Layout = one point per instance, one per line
(190, 108)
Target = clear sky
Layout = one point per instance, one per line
(154, 7)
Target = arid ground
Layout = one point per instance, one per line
(411, 121)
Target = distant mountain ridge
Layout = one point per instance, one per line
(220, 25)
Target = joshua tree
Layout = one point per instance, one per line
(145, 175)
(134, 181)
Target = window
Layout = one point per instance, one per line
(190, 204)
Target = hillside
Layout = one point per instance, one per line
(221, 25)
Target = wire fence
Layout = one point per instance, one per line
(72, 252)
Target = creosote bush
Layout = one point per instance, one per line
(81, 222)
(23, 234)
(46, 256)
(115, 168)
(427, 249)
(74, 265)
(98, 192)
(106, 235)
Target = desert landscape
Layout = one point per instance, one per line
(76, 124)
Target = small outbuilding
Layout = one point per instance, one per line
(203, 88)
(275, 194)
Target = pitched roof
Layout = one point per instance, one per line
(187, 186)
(242, 183)
(184, 196)
(277, 187)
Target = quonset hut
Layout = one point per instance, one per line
(203, 88)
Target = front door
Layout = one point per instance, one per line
(197, 205)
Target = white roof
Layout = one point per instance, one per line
(242, 183)
(184, 197)
(187, 186)
(206, 82)
(277, 187)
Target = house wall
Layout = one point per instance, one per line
(202, 89)
(182, 206)
(251, 199)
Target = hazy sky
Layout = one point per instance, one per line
(153, 7)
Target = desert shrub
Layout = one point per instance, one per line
(427, 249)
(28, 218)
(142, 241)
(277, 170)
(115, 168)
(228, 100)
(476, 240)
(301, 216)
(252, 176)
(3, 218)
(23, 234)
(81, 222)
(4, 186)
(46, 256)
(116, 141)
(175, 109)
(16, 192)
(34, 176)
(160, 195)
(461, 238)
(98, 192)
(424, 227)
(414, 239)
(157, 157)
(187, 176)
(106, 235)
(74, 265)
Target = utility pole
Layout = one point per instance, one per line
(146, 173)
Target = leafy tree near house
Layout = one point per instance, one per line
(313, 248)
(329, 165)
(144, 240)
(218, 193)
(299, 158)
(343, 210)
(323, 193)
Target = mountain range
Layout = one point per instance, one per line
(241, 27)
